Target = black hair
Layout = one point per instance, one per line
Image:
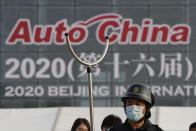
(80, 121)
(111, 121)
(193, 125)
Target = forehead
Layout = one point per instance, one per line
(82, 126)
(193, 129)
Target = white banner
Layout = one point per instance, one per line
(37, 119)
(62, 119)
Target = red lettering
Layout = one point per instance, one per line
(145, 29)
(126, 30)
(78, 34)
(103, 31)
(157, 37)
(60, 29)
(40, 37)
(180, 34)
(120, 30)
(21, 32)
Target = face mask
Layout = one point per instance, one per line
(134, 113)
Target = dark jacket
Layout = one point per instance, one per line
(147, 126)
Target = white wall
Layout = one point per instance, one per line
(27, 119)
(178, 118)
(68, 115)
(61, 119)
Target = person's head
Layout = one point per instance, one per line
(192, 127)
(81, 124)
(137, 103)
(110, 121)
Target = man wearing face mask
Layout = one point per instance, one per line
(137, 103)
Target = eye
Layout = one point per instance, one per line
(128, 103)
(138, 103)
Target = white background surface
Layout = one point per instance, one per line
(61, 119)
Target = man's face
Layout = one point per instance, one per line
(131, 101)
(193, 129)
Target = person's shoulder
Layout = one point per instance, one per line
(152, 127)
(117, 128)
(156, 128)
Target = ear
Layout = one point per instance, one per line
(147, 115)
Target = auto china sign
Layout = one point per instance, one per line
(121, 30)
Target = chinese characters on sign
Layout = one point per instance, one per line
(171, 65)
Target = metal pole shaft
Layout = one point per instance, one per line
(89, 65)
(91, 98)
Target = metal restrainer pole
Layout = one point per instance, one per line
(89, 65)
